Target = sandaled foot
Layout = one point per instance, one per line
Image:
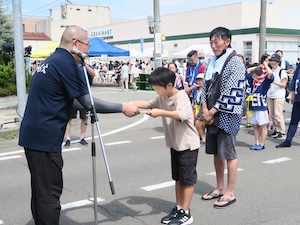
(224, 202)
(211, 195)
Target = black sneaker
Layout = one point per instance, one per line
(274, 134)
(67, 144)
(182, 218)
(166, 219)
(83, 142)
(280, 136)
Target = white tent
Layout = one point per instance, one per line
(133, 53)
(204, 48)
(148, 52)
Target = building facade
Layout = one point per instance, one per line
(53, 26)
(182, 30)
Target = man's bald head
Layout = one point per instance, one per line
(70, 34)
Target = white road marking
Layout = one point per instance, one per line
(81, 203)
(10, 157)
(145, 117)
(118, 143)
(225, 171)
(1, 222)
(11, 153)
(157, 137)
(158, 186)
(70, 149)
(279, 160)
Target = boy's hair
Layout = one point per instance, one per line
(222, 32)
(257, 71)
(162, 76)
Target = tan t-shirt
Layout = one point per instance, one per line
(179, 134)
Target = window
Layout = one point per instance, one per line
(247, 51)
(291, 50)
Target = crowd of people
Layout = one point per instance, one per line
(204, 104)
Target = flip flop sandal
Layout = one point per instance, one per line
(229, 202)
(213, 196)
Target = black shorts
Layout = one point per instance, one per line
(220, 143)
(82, 114)
(183, 164)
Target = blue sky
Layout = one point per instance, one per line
(123, 9)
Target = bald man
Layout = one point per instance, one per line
(54, 86)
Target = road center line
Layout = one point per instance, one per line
(70, 149)
(11, 157)
(158, 186)
(80, 203)
(11, 153)
(118, 143)
(279, 160)
(158, 137)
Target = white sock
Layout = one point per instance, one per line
(187, 211)
(178, 207)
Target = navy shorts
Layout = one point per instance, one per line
(183, 164)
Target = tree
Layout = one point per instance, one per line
(6, 33)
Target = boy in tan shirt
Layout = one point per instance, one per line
(181, 137)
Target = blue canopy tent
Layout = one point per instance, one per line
(99, 47)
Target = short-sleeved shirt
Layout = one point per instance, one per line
(179, 134)
(125, 70)
(55, 84)
(276, 91)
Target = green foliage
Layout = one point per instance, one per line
(6, 33)
(8, 80)
(13, 134)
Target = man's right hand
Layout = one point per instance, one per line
(130, 110)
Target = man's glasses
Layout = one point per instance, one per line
(87, 44)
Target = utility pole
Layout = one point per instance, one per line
(19, 57)
(262, 27)
(157, 34)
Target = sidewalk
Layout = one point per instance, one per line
(8, 120)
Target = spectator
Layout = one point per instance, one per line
(196, 103)
(82, 114)
(222, 106)
(195, 67)
(179, 84)
(110, 66)
(125, 76)
(247, 92)
(276, 98)
(284, 64)
(55, 86)
(134, 75)
(297, 63)
(259, 77)
(295, 100)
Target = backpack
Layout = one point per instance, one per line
(287, 84)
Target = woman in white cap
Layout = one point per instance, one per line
(276, 97)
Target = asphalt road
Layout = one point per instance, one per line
(266, 189)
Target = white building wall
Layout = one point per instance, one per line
(280, 14)
(84, 16)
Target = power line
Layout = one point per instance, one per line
(28, 13)
(36, 14)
